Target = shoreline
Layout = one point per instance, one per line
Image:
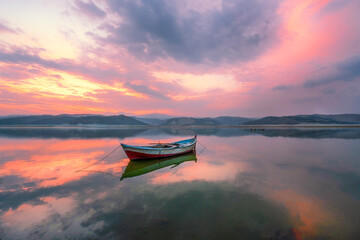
(255, 127)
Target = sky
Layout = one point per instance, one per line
(183, 58)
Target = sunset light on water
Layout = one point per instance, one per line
(257, 186)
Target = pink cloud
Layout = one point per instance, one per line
(4, 28)
(89, 9)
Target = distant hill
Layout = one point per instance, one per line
(150, 121)
(225, 120)
(70, 120)
(308, 119)
(186, 121)
(155, 116)
(350, 118)
(316, 133)
(10, 116)
(91, 119)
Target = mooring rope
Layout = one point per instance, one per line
(202, 149)
(100, 159)
(99, 172)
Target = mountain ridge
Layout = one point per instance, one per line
(97, 119)
(68, 119)
(308, 119)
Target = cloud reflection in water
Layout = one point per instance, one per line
(250, 186)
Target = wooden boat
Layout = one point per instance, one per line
(140, 167)
(160, 149)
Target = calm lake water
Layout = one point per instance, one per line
(271, 184)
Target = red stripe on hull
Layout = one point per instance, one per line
(136, 155)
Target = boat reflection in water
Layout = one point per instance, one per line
(140, 167)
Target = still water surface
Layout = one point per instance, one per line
(272, 184)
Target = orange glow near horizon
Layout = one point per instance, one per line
(200, 83)
(53, 108)
(159, 111)
(70, 87)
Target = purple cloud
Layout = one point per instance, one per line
(238, 31)
(345, 71)
(89, 9)
(146, 90)
(6, 29)
(14, 72)
(282, 87)
(25, 56)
